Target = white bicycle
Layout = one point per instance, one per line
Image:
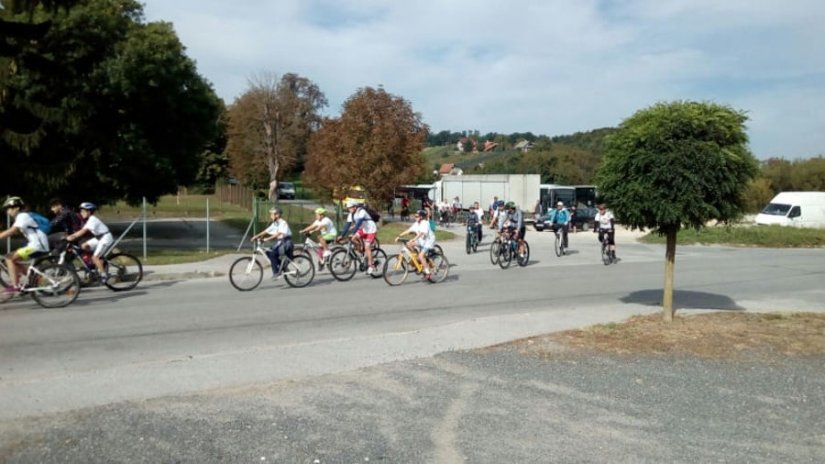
(246, 273)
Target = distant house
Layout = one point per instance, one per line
(449, 169)
(465, 140)
(524, 146)
(490, 145)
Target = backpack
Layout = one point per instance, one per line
(372, 213)
(42, 222)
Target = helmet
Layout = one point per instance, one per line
(510, 205)
(321, 211)
(500, 204)
(13, 202)
(275, 211)
(351, 203)
(422, 213)
(88, 206)
(561, 203)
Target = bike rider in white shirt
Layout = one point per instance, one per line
(606, 228)
(278, 230)
(101, 239)
(326, 231)
(424, 240)
(36, 241)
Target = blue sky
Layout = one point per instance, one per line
(550, 67)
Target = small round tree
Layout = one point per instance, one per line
(674, 165)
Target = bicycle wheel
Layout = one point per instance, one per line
(468, 244)
(342, 265)
(125, 272)
(506, 255)
(395, 270)
(523, 259)
(5, 278)
(246, 274)
(58, 286)
(298, 271)
(440, 268)
(495, 251)
(559, 250)
(379, 257)
(606, 255)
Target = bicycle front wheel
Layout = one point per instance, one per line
(379, 257)
(299, 271)
(506, 255)
(246, 274)
(125, 272)
(495, 251)
(605, 255)
(395, 270)
(56, 286)
(524, 258)
(440, 268)
(342, 265)
(559, 250)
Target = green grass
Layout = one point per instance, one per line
(758, 236)
(388, 232)
(172, 206)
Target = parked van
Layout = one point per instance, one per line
(797, 209)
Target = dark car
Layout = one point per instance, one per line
(286, 190)
(583, 216)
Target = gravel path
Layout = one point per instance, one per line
(481, 406)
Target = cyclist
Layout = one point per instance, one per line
(363, 233)
(326, 229)
(424, 240)
(515, 221)
(606, 228)
(560, 219)
(36, 241)
(65, 221)
(278, 230)
(480, 214)
(101, 239)
(473, 222)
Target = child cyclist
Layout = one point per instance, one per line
(606, 228)
(363, 232)
(326, 231)
(424, 239)
(101, 239)
(36, 241)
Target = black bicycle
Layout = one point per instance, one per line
(123, 271)
(471, 243)
(510, 249)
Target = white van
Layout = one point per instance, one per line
(797, 209)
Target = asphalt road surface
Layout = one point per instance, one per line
(198, 336)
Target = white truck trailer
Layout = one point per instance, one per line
(523, 189)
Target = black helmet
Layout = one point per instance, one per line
(13, 202)
(422, 213)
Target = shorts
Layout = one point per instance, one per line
(367, 238)
(100, 245)
(611, 236)
(26, 252)
(521, 232)
(329, 237)
(425, 249)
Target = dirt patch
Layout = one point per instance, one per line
(710, 336)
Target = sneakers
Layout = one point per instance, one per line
(371, 270)
(276, 276)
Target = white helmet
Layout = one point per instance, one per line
(351, 203)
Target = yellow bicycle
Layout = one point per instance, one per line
(399, 266)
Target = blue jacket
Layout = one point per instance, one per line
(560, 217)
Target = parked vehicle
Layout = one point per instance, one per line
(286, 190)
(795, 209)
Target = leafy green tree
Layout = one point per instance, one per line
(674, 165)
(376, 143)
(778, 172)
(269, 127)
(116, 110)
(808, 175)
(757, 194)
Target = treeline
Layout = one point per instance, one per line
(781, 175)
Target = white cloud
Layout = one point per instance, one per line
(550, 67)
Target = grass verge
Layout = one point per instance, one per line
(719, 335)
(759, 236)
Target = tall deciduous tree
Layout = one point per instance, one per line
(674, 165)
(376, 144)
(117, 111)
(270, 125)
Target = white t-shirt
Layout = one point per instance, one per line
(326, 224)
(279, 227)
(604, 219)
(96, 226)
(35, 238)
(368, 225)
(427, 238)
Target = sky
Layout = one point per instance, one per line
(550, 67)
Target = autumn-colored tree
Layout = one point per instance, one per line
(269, 127)
(376, 143)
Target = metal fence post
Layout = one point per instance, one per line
(144, 229)
(207, 224)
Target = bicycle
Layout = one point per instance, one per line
(398, 266)
(247, 272)
(607, 257)
(345, 261)
(309, 246)
(471, 243)
(509, 249)
(123, 271)
(51, 285)
(561, 249)
(495, 249)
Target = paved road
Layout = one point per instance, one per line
(172, 338)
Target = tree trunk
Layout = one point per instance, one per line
(670, 261)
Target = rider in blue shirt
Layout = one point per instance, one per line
(560, 219)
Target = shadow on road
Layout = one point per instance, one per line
(683, 299)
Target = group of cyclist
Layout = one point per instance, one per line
(66, 225)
